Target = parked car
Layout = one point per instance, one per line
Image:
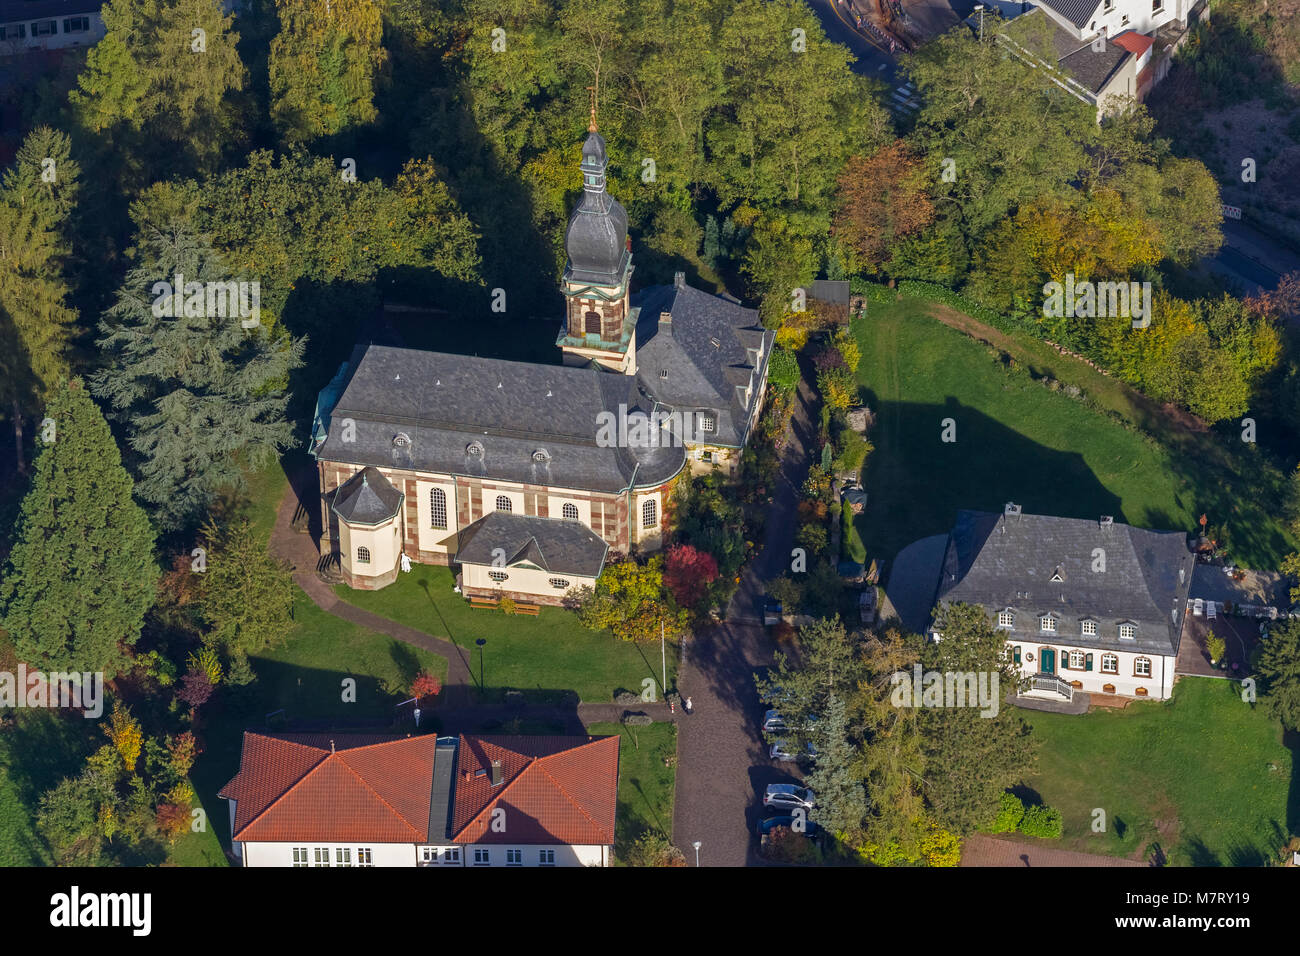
(788, 796)
(773, 723)
(809, 828)
(771, 611)
(781, 751)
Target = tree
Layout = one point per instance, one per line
(82, 574)
(971, 758)
(630, 600)
(688, 572)
(836, 776)
(164, 84)
(247, 597)
(73, 816)
(1278, 665)
(426, 685)
(197, 394)
(127, 738)
(324, 69)
(36, 197)
(883, 199)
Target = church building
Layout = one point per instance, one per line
(526, 476)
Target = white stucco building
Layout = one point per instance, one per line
(350, 800)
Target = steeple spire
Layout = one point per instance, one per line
(591, 127)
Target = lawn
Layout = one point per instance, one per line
(548, 655)
(1016, 440)
(1204, 775)
(645, 781)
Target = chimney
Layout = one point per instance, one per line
(1011, 510)
(679, 280)
(665, 318)
(1106, 521)
(496, 773)
(331, 746)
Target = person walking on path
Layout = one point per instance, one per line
(688, 706)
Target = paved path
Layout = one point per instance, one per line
(984, 850)
(722, 762)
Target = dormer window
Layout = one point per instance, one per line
(1057, 575)
(1047, 622)
(401, 440)
(541, 456)
(1127, 632)
(1088, 628)
(708, 424)
(474, 449)
(1006, 619)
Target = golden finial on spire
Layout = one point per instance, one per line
(591, 127)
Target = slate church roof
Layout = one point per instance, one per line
(489, 418)
(1035, 565)
(367, 498)
(553, 544)
(704, 357)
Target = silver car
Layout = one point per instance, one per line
(788, 796)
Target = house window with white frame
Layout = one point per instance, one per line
(569, 511)
(1110, 663)
(322, 856)
(560, 584)
(1077, 660)
(451, 854)
(1047, 622)
(300, 856)
(1006, 619)
(514, 857)
(649, 513)
(1157, 5)
(44, 28)
(482, 856)
(1088, 628)
(429, 854)
(364, 856)
(503, 503)
(546, 857)
(708, 424)
(363, 555)
(76, 24)
(438, 509)
(498, 576)
(1127, 632)
(1142, 667)
(343, 856)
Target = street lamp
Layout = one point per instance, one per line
(480, 642)
(980, 8)
(697, 844)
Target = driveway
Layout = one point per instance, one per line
(722, 762)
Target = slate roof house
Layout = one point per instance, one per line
(358, 800)
(48, 25)
(422, 454)
(1107, 49)
(1085, 605)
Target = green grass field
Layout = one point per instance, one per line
(645, 783)
(548, 654)
(1204, 775)
(1019, 441)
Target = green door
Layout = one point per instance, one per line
(1047, 660)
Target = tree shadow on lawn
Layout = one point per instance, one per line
(918, 482)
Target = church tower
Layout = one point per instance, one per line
(600, 325)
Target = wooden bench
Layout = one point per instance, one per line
(491, 604)
(529, 609)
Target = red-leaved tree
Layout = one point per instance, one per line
(688, 571)
(425, 685)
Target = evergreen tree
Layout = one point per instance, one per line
(324, 66)
(1278, 665)
(36, 197)
(197, 394)
(971, 758)
(82, 574)
(247, 595)
(836, 777)
(164, 83)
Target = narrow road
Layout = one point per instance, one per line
(722, 763)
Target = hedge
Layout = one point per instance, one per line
(854, 549)
(783, 369)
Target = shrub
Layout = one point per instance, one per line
(940, 847)
(1010, 813)
(638, 720)
(652, 849)
(1215, 645)
(425, 685)
(853, 451)
(812, 537)
(787, 591)
(854, 549)
(1042, 822)
(783, 369)
(507, 605)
